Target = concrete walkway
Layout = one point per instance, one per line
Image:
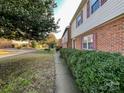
(16, 52)
(64, 81)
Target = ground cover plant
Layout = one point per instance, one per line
(28, 73)
(96, 72)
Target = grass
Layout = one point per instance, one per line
(28, 73)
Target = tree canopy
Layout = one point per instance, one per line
(26, 19)
(51, 40)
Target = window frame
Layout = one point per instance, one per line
(87, 42)
(95, 3)
(90, 6)
(79, 22)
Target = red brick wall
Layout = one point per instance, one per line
(69, 38)
(67, 44)
(109, 36)
(78, 42)
(64, 45)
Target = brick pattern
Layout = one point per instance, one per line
(78, 42)
(109, 36)
(64, 45)
(69, 44)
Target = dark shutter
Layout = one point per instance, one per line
(88, 9)
(103, 1)
(81, 42)
(94, 41)
(82, 17)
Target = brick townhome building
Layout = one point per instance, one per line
(99, 25)
(66, 38)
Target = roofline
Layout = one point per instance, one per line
(78, 10)
(65, 31)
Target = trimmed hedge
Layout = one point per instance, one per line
(96, 72)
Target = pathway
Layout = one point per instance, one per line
(16, 52)
(64, 81)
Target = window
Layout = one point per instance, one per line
(88, 42)
(95, 5)
(88, 9)
(79, 20)
(103, 1)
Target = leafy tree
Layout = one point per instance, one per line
(51, 40)
(26, 19)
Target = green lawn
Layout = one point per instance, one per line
(28, 73)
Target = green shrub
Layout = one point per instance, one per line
(96, 72)
(34, 44)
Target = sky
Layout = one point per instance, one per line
(65, 11)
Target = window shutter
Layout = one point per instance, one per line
(88, 9)
(94, 41)
(76, 23)
(82, 17)
(82, 42)
(103, 1)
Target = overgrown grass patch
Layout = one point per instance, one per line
(27, 73)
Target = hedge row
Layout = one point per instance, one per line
(96, 72)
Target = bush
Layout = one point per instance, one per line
(58, 48)
(13, 46)
(96, 72)
(34, 44)
(19, 47)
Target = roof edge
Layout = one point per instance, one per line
(78, 10)
(65, 30)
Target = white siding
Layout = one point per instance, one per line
(110, 10)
